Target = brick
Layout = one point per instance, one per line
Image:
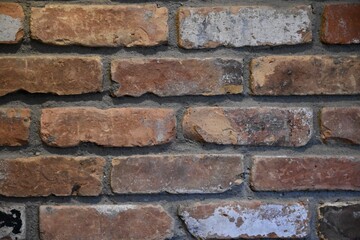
(100, 25)
(340, 24)
(116, 127)
(340, 124)
(176, 77)
(51, 175)
(98, 222)
(176, 173)
(12, 221)
(339, 221)
(305, 75)
(61, 75)
(249, 126)
(246, 219)
(283, 173)
(11, 23)
(237, 26)
(14, 126)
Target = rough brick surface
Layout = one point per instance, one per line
(176, 173)
(237, 26)
(305, 173)
(339, 221)
(61, 75)
(305, 75)
(100, 25)
(249, 126)
(47, 175)
(341, 124)
(11, 23)
(175, 77)
(116, 127)
(98, 222)
(246, 219)
(14, 126)
(341, 24)
(12, 222)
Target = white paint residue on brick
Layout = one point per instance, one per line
(8, 28)
(233, 222)
(308, 113)
(112, 210)
(160, 137)
(248, 27)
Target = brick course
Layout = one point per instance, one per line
(305, 173)
(120, 25)
(237, 26)
(46, 175)
(176, 173)
(50, 74)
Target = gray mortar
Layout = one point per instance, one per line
(181, 145)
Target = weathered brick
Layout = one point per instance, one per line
(50, 74)
(14, 126)
(12, 222)
(237, 26)
(339, 221)
(249, 126)
(51, 175)
(176, 173)
(341, 24)
(11, 23)
(100, 25)
(305, 75)
(305, 173)
(175, 77)
(340, 124)
(246, 219)
(116, 127)
(98, 222)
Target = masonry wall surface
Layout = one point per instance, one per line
(177, 141)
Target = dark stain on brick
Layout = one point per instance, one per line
(75, 189)
(232, 71)
(340, 222)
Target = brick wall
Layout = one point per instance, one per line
(179, 119)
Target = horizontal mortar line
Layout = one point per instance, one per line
(322, 195)
(148, 100)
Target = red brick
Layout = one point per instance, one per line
(305, 173)
(116, 127)
(305, 75)
(51, 175)
(11, 23)
(237, 26)
(61, 75)
(175, 77)
(176, 173)
(341, 124)
(249, 126)
(98, 222)
(246, 219)
(341, 24)
(14, 126)
(100, 25)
